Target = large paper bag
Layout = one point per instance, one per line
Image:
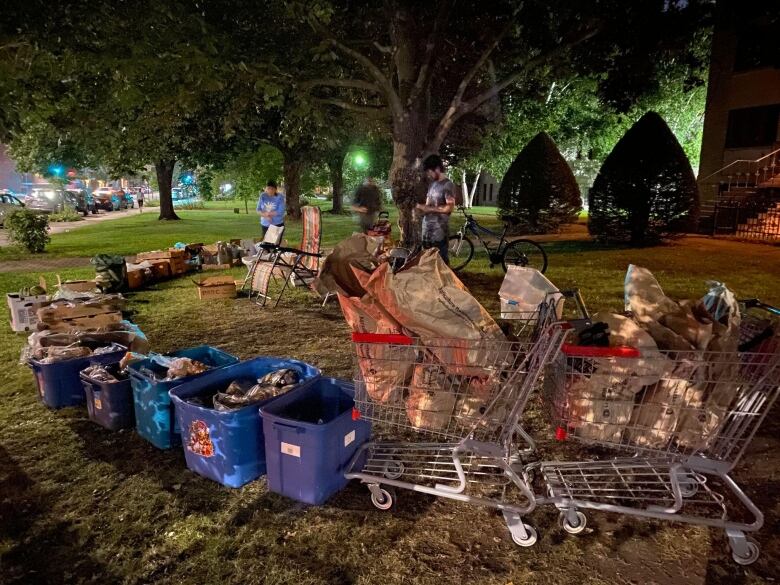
(427, 298)
(385, 368)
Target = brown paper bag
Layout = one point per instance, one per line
(431, 398)
(427, 298)
(385, 368)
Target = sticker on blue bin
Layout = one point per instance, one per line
(200, 440)
(288, 449)
(349, 438)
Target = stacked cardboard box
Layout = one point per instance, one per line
(102, 311)
(177, 259)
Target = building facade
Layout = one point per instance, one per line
(740, 154)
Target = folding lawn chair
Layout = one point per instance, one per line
(299, 266)
(263, 252)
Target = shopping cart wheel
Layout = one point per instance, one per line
(689, 489)
(382, 498)
(529, 540)
(394, 469)
(573, 527)
(750, 555)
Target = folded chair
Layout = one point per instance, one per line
(298, 266)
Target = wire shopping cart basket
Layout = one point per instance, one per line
(686, 417)
(450, 410)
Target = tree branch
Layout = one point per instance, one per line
(461, 108)
(431, 48)
(379, 111)
(335, 82)
(382, 80)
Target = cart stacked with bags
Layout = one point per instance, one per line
(673, 422)
(445, 389)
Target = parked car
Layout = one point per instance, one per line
(51, 200)
(85, 203)
(8, 204)
(102, 197)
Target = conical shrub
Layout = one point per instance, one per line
(645, 190)
(539, 191)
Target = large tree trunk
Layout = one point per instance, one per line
(411, 126)
(336, 167)
(164, 169)
(292, 185)
(408, 182)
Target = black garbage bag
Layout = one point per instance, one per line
(110, 272)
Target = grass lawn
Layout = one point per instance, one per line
(83, 505)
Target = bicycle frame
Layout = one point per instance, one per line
(471, 225)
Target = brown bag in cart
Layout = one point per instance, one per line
(428, 299)
(385, 368)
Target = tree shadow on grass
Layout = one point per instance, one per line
(130, 455)
(36, 552)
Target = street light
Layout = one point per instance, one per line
(360, 160)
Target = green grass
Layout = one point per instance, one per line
(82, 505)
(137, 232)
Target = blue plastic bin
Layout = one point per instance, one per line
(154, 418)
(310, 437)
(110, 404)
(227, 446)
(59, 384)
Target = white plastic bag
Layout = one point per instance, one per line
(523, 290)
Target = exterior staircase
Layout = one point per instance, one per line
(747, 200)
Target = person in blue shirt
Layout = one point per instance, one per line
(271, 207)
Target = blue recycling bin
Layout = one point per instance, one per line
(227, 446)
(154, 417)
(311, 434)
(59, 384)
(110, 404)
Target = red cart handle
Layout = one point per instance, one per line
(387, 338)
(600, 352)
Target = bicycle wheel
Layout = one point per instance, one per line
(461, 251)
(524, 253)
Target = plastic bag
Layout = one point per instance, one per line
(243, 392)
(183, 366)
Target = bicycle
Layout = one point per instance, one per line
(520, 252)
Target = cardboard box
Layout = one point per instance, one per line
(76, 286)
(136, 278)
(161, 269)
(216, 287)
(24, 309)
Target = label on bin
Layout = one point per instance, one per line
(98, 404)
(349, 438)
(289, 449)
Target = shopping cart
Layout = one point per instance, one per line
(449, 411)
(686, 417)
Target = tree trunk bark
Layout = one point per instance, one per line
(292, 185)
(409, 184)
(164, 170)
(336, 166)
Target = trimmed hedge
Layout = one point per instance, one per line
(539, 190)
(645, 190)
